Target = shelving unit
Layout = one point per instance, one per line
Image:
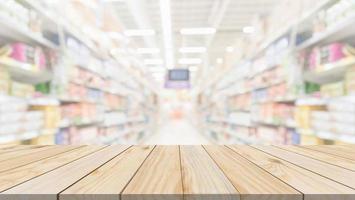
(116, 95)
(280, 109)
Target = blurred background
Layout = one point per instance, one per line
(177, 71)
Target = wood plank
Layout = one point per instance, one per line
(312, 185)
(33, 156)
(13, 154)
(252, 182)
(158, 178)
(328, 158)
(47, 186)
(108, 181)
(11, 148)
(11, 178)
(334, 150)
(333, 172)
(202, 178)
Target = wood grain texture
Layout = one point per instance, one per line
(312, 185)
(202, 178)
(47, 186)
(13, 177)
(11, 154)
(9, 148)
(158, 178)
(334, 150)
(108, 181)
(328, 158)
(252, 182)
(32, 155)
(333, 172)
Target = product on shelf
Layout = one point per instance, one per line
(75, 135)
(303, 115)
(350, 81)
(323, 58)
(20, 15)
(52, 115)
(333, 89)
(17, 119)
(21, 90)
(80, 113)
(274, 114)
(33, 57)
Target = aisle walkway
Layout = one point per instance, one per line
(177, 132)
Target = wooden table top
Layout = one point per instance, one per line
(177, 172)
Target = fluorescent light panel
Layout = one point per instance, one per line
(139, 32)
(192, 49)
(148, 50)
(187, 61)
(198, 31)
(165, 15)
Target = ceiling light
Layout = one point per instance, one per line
(165, 15)
(248, 29)
(219, 60)
(139, 32)
(153, 62)
(187, 61)
(197, 31)
(148, 50)
(230, 49)
(192, 49)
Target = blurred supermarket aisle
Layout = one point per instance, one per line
(177, 131)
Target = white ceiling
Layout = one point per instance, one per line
(227, 16)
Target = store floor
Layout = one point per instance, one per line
(177, 132)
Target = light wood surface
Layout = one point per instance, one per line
(32, 156)
(251, 181)
(321, 156)
(334, 150)
(47, 186)
(297, 177)
(19, 175)
(158, 178)
(177, 172)
(105, 179)
(330, 171)
(202, 178)
(10, 148)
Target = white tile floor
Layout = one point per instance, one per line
(177, 132)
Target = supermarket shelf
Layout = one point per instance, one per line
(277, 100)
(311, 101)
(336, 137)
(23, 72)
(14, 31)
(78, 34)
(287, 124)
(337, 32)
(65, 99)
(83, 122)
(43, 101)
(334, 72)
